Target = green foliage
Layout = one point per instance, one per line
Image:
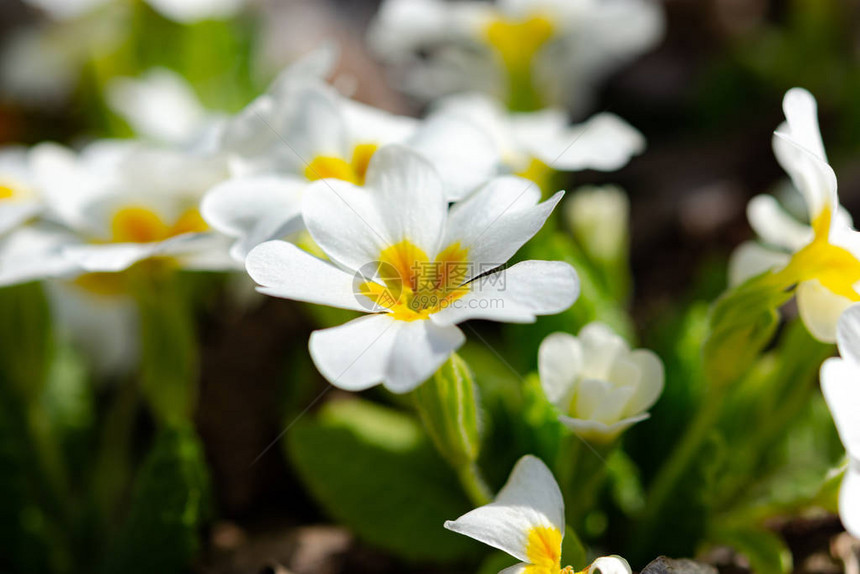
(766, 552)
(25, 338)
(170, 503)
(373, 470)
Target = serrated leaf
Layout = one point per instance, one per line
(374, 470)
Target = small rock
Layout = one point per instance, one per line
(664, 565)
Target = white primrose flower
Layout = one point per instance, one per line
(532, 142)
(117, 204)
(840, 383)
(599, 385)
(398, 252)
(822, 254)
(526, 520)
(557, 48)
(305, 131)
(20, 199)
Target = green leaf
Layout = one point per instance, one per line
(447, 404)
(373, 470)
(767, 553)
(169, 505)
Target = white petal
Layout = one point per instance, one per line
(775, 226)
(420, 349)
(601, 347)
(605, 142)
(191, 11)
(609, 565)
(820, 309)
(110, 257)
(848, 334)
(559, 365)
(520, 568)
(345, 221)
(531, 498)
(849, 501)
(15, 213)
(651, 381)
(597, 431)
(367, 124)
(801, 114)
(159, 105)
(603, 401)
(517, 294)
(355, 356)
(464, 155)
(34, 253)
(751, 259)
(498, 219)
(283, 270)
(105, 328)
(811, 175)
(409, 196)
(254, 209)
(403, 25)
(840, 384)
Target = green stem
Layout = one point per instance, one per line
(474, 485)
(684, 454)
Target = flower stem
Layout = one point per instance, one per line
(474, 485)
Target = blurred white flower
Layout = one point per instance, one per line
(114, 205)
(555, 49)
(840, 383)
(599, 385)
(822, 254)
(397, 252)
(161, 106)
(600, 220)
(527, 521)
(537, 141)
(303, 131)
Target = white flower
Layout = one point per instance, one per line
(599, 385)
(303, 131)
(117, 204)
(535, 140)
(398, 252)
(527, 521)
(840, 383)
(821, 256)
(556, 48)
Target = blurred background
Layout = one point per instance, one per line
(707, 99)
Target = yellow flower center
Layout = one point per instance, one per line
(517, 42)
(836, 268)
(6, 192)
(353, 171)
(414, 286)
(142, 225)
(543, 550)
